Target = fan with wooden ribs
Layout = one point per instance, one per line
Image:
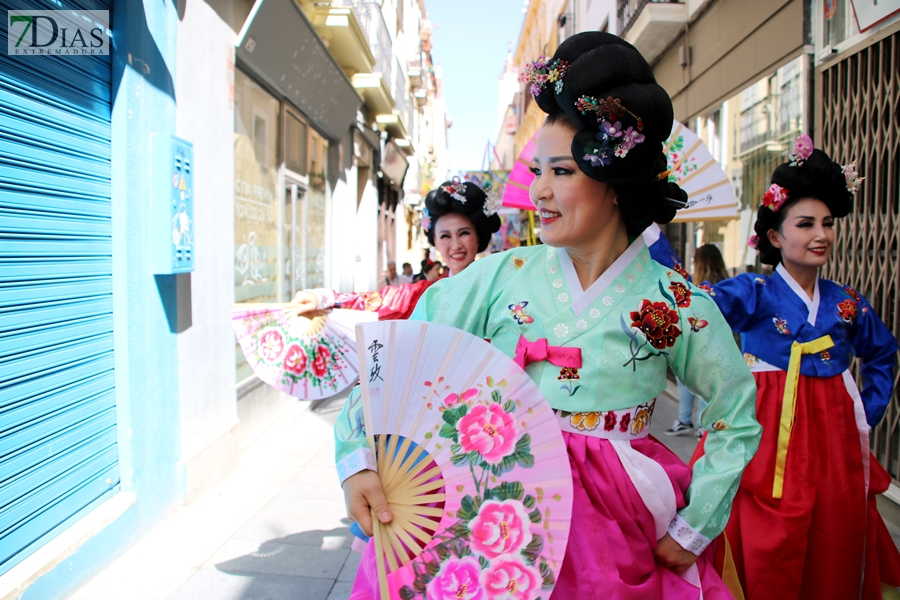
(472, 463)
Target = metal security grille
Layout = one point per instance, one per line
(860, 109)
(58, 454)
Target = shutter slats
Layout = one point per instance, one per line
(58, 439)
(54, 382)
(50, 313)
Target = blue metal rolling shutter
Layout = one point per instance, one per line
(58, 454)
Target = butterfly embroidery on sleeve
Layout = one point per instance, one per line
(697, 323)
(518, 313)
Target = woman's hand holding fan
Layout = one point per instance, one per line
(472, 465)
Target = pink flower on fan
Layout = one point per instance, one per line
(509, 578)
(320, 362)
(271, 345)
(464, 397)
(500, 528)
(488, 430)
(295, 359)
(457, 580)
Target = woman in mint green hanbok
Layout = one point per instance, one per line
(596, 323)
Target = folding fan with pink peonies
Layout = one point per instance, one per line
(472, 462)
(310, 356)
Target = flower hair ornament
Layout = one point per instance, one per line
(426, 219)
(543, 72)
(774, 197)
(456, 189)
(614, 140)
(493, 201)
(803, 149)
(854, 181)
(753, 242)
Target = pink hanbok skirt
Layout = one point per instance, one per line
(611, 541)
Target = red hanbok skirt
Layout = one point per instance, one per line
(824, 538)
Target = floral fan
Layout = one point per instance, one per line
(711, 196)
(308, 356)
(472, 463)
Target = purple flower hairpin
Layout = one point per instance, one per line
(542, 72)
(803, 149)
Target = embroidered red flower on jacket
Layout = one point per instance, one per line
(680, 270)
(681, 293)
(847, 310)
(851, 292)
(658, 322)
(624, 422)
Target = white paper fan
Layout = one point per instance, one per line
(472, 461)
(711, 196)
(309, 356)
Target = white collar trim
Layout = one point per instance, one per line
(812, 305)
(582, 298)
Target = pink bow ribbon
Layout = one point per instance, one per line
(538, 350)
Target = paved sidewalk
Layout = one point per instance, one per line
(276, 529)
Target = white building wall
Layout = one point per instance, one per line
(205, 117)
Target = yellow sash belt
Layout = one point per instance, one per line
(789, 405)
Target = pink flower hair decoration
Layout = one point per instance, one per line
(753, 242)
(774, 197)
(803, 149)
(543, 72)
(851, 175)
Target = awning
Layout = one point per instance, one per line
(279, 44)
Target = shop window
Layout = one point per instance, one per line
(835, 22)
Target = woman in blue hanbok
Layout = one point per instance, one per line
(804, 522)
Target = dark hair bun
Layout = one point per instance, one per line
(817, 177)
(609, 93)
(467, 199)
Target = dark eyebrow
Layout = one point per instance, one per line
(464, 228)
(552, 159)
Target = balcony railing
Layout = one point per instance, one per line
(630, 10)
(371, 19)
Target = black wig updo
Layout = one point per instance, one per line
(467, 199)
(620, 88)
(817, 177)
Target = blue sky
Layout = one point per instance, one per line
(470, 43)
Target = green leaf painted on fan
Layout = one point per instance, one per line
(509, 406)
(490, 381)
(525, 460)
(546, 574)
(535, 516)
(533, 550)
(496, 397)
(529, 501)
(524, 443)
(459, 460)
(467, 510)
(509, 490)
(485, 563)
(407, 593)
(450, 417)
(455, 448)
(474, 457)
(448, 431)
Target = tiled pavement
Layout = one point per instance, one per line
(276, 529)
